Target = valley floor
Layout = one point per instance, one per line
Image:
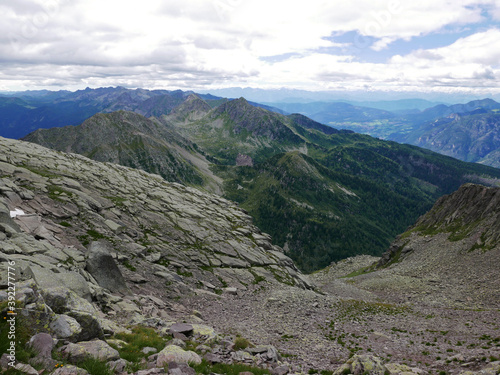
(320, 331)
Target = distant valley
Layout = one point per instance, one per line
(469, 132)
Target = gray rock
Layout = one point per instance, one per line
(151, 371)
(96, 349)
(180, 369)
(4, 361)
(91, 326)
(118, 366)
(69, 370)
(66, 327)
(101, 265)
(280, 370)
(45, 279)
(173, 353)
(212, 358)
(231, 290)
(25, 369)
(179, 343)
(42, 344)
(362, 364)
(185, 329)
(148, 349)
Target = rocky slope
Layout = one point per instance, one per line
(450, 257)
(69, 201)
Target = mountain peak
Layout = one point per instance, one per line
(191, 109)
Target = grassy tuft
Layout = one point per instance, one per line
(241, 343)
(137, 340)
(206, 368)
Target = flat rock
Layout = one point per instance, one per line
(69, 370)
(185, 329)
(173, 353)
(97, 349)
(71, 280)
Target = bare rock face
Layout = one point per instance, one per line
(244, 160)
(101, 265)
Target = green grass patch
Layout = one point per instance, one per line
(221, 368)
(95, 366)
(140, 338)
(21, 332)
(56, 193)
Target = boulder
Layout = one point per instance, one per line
(66, 327)
(61, 299)
(204, 333)
(42, 344)
(97, 349)
(148, 350)
(118, 366)
(65, 301)
(91, 326)
(185, 329)
(280, 370)
(362, 365)
(101, 265)
(174, 353)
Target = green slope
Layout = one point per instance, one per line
(323, 194)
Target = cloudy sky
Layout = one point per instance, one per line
(390, 45)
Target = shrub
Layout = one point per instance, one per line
(241, 343)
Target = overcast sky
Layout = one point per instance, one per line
(397, 45)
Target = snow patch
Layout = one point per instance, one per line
(16, 212)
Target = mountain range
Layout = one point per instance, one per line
(323, 194)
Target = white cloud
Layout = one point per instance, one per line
(198, 43)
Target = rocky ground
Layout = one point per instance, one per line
(321, 331)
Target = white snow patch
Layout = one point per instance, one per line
(17, 212)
